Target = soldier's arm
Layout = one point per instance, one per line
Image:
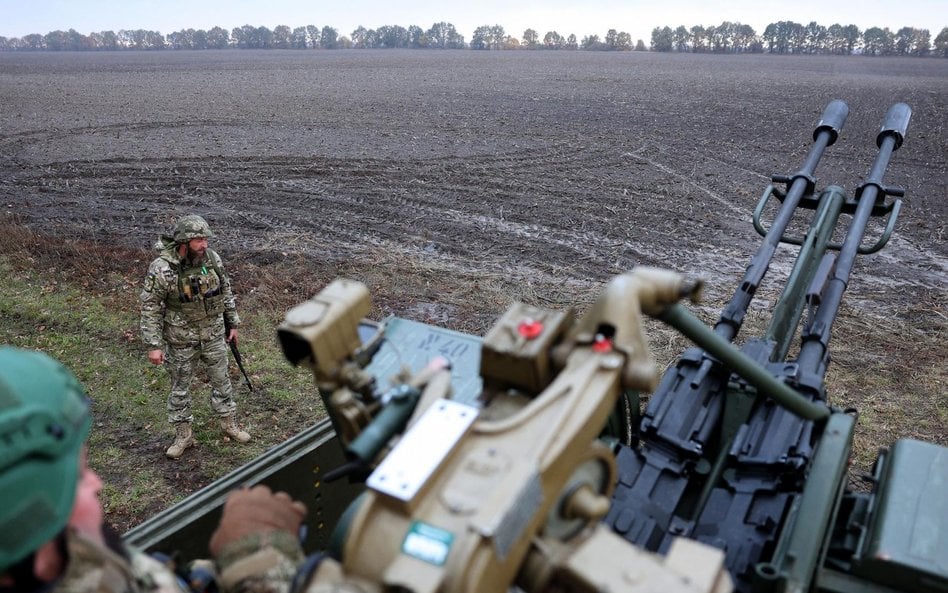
(259, 564)
(256, 545)
(230, 302)
(152, 303)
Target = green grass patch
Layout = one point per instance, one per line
(94, 332)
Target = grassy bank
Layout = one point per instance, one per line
(62, 298)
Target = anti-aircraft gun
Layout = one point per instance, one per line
(490, 474)
(741, 449)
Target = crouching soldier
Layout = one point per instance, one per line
(53, 536)
(187, 304)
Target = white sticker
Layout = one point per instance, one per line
(422, 449)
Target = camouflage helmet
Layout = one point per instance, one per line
(190, 227)
(44, 421)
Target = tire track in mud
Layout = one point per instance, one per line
(558, 211)
(49, 134)
(904, 262)
(480, 227)
(363, 203)
(736, 211)
(355, 239)
(397, 224)
(385, 211)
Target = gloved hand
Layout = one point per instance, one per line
(256, 511)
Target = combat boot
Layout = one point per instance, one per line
(230, 428)
(182, 440)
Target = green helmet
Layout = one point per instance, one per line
(44, 421)
(190, 227)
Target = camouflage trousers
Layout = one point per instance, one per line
(181, 363)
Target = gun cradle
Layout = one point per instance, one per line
(513, 500)
(470, 503)
(491, 492)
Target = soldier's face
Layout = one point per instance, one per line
(87, 510)
(197, 247)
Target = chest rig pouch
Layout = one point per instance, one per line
(199, 292)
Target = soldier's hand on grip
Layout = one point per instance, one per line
(256, 510)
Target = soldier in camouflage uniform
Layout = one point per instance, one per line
(51, 532)
(187, 304)
(52, 535)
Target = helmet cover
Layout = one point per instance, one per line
(190, 227)
(44, 421)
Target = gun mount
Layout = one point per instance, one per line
(739, 448)
(500, 469)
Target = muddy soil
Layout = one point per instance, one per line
(566, 167)
(550, 171)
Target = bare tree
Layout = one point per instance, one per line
(417, 38)
(553, 40)
(312, 33)
(498, 36)
(681, 39)
(941, 43)
(443, 35)
(878, 42)
(662, 39)
(328, 37)
(298, 38)
(281, 38)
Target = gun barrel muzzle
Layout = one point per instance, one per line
(895, 124)
(832, 120)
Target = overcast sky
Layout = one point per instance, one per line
(580, 17)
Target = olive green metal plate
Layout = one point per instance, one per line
(907, 543)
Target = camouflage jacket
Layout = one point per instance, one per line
(260, 563)
(185, 302)
(94, 568)
(256, 564)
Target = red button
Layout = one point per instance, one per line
(601, 344)
(530, 328)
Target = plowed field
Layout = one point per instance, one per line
(496, 175)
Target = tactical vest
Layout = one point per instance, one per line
(199, 294)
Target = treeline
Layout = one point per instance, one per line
(788, 37)
(784, 37)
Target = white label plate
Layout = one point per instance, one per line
(422, 449)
